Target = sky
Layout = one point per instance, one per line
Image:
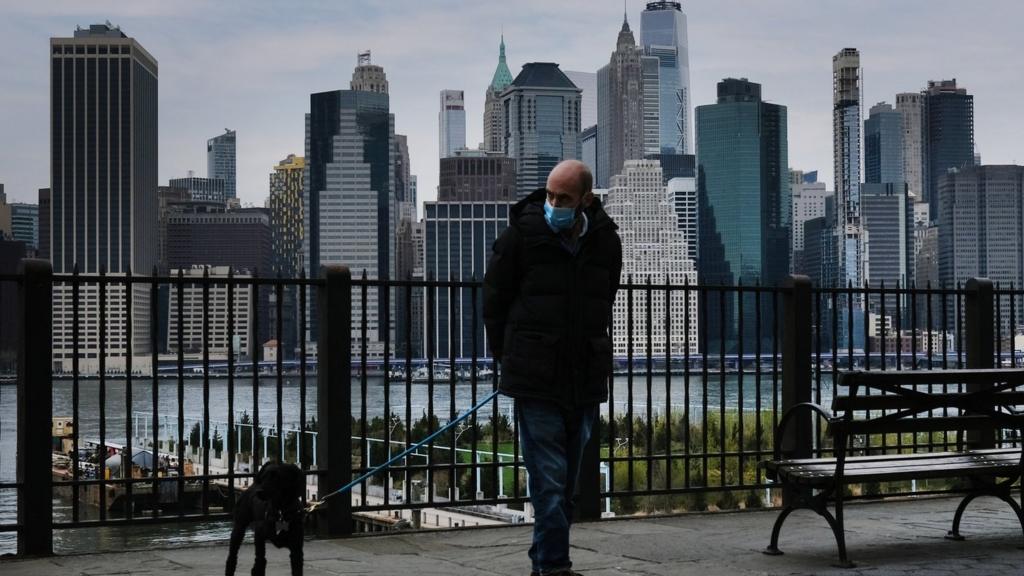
(251, 66)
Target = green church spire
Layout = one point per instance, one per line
(502, 77)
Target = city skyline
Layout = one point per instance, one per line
(244, 85)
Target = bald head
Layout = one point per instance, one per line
(570, 184)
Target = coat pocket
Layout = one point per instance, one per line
(599, 363)
(532, 359)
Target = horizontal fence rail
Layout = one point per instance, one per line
(164, 394)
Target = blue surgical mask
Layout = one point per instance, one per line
(561, 218)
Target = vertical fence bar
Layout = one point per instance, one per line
(407, 478)
(980, 338)
(705, 342)
(126, 467)
(205, 436)
(667, 302)
(304, 459)
(254, 361)
(154, 358)
(739, 382)
(279, 365)
(384, 291)
(629, 383)
(649, 359)
(35, 408)
(758, 435)
(231, 437)
(431, 352)
(75, 392)
(101, 356)
(334, 395)
(474, 382)
(722, 334)
(453, 454)
(363, 416)
(180, 441)
(686, 384)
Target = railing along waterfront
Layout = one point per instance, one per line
(700, 377)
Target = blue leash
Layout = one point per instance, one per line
(312, 506)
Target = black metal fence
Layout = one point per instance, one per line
(701, 376)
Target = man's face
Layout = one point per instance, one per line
(562, 197)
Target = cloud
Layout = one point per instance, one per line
(251, 66)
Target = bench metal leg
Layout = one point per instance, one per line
(837, 529)
(1016, 509)
(954, 534)
(834, 522)
(773, 548)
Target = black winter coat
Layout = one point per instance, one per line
(546, 309)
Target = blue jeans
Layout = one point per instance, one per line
(552, 439)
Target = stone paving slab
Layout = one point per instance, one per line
(884, 538)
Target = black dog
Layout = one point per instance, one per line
(273, 506)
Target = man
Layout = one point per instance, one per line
(548, 296)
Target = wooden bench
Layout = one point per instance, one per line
(899, 402)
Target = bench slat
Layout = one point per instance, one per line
(898, 377)
(898, 457)
(928, 424)
(870, 469)
(933, 400)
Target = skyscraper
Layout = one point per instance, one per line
(285, 205)
(846, 127)
(220, 161)
(682, 195)
(103, 177)
(477, 176)
(209, 235)
(451, 119)
(587, 82)
(743, 188)
(621, 106)
(405, 182)
(888, 220)
(541, 111)
(910, 105)
(663, 34)
(981, 229)
(883, 145)
(458, 239)
(810, 201)
(350, 211)
(367, 76)
(25, 225)
(653, 248)
(494, 121)
(44, 224)
(948, 134)
(202, 189)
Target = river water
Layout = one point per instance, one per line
(739, 393)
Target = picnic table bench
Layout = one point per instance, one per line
(899, 402)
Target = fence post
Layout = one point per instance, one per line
(334, 401)
(796, 364)
(979, 327)
(35, 406)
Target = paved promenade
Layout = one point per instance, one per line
(891, 538)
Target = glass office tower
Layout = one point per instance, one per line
(743, 192)
(663, 34)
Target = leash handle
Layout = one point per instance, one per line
(312, 506)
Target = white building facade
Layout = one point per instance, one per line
(210, 306)
(451, 118)
(655, 249)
